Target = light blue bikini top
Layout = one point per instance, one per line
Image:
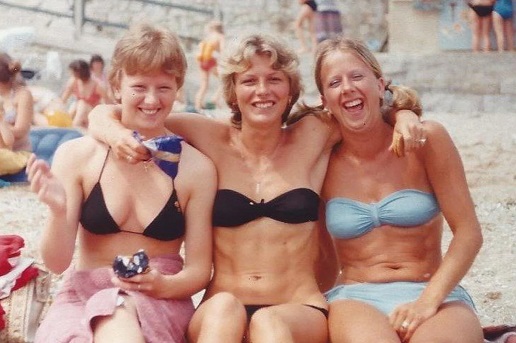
(347, 218)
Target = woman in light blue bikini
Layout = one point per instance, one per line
(386, 214)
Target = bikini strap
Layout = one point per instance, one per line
(104, 164)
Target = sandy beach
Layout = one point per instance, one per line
(487, 144)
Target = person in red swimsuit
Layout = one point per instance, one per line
(209, 48)
(86, 90)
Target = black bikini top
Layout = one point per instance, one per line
(296, 206)
(168, 225)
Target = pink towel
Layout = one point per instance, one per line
(90, 293)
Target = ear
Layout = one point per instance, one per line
(116, 94)
(323, 101)
(381, 87)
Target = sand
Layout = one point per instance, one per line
(487, 144)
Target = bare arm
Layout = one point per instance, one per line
(446, 173)
(6, 136)
(60, 189)
(202, 132)
(67, 92)
(24, 113)
(202, 180)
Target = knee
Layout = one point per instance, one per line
(224, 304)
(264, 320)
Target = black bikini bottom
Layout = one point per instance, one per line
(251, 309)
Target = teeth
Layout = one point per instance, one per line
(264, 104)
(149, 112)
(353, 103)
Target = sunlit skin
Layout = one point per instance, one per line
(352, 93)
(148, 100)
(263, 261)
(262, 92)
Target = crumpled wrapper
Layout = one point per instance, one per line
(165, 152)
(129, 266)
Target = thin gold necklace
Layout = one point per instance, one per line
(262, 171)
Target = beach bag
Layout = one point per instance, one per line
(12, 162)
(24, 309)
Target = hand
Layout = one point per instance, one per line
(406, 318)
(42, 182)
(409, 133)
(126, 147)
(150, 283)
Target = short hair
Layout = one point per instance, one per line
(147, 49)
(238, 60)
(81, 69)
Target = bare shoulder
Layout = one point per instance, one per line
(313, 129)
(435, 131)
(77, 151)
(195, 162)
(23, 93)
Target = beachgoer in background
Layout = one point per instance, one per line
(209, 50)
(17, 109)
(86, 91)
(481, 20)
(328, 21)
(108, 207)
(264, 286)
(504, 25)
(386, 214)
(97, 68)
(306, 16)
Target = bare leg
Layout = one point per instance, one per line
(499, 31)
(123, 326)
(454, 323)
(222, 318)
(509, 34)
(203, 87)
(475, 31)
(288, 323)
(485, 26)
(353, 321)
(305, 15)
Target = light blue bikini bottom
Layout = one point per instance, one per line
(387, 296)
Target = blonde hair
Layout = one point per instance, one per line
(238, 60)
(147, 49)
